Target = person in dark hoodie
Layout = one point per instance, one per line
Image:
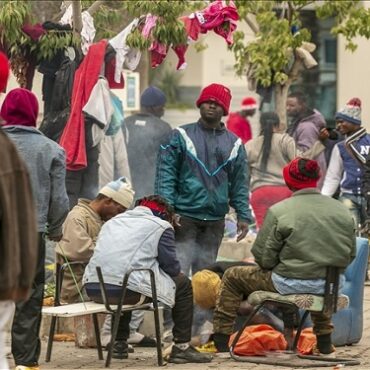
(305, 126)
(45, 161)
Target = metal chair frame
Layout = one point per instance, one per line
(329, 307)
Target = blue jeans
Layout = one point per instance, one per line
(356, 204)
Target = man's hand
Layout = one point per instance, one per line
(324, 134)
(242, 230)
(55, 238)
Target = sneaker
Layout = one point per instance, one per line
(120, 350)
(143, 342)
(21, 367)
(130, 348)
(179, 356)
(316, 352)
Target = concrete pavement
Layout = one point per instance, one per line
(67, 356)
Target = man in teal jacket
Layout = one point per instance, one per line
(299, 238)
(201, 171)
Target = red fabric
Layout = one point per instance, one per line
(110, 67)
(192, 27)
(217, 93)
(73, 137)
(34, 31)
(154, 206)
(180, 51)
(20, 107)
(240, 126)
(256, 340)
(4, 71)
(249, 103)
(301, 173)
(158, 53)
(264, 197)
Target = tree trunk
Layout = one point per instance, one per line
(281, 95)
(77, 16)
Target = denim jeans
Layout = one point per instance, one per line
(356, 205)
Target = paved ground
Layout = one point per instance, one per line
(66, 356)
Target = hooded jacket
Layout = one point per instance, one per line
(45, 159)
(305, 132)
(18, 236)
(201, 171)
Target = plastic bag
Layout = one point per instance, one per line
(257, 339)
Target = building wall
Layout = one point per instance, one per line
(354, 76)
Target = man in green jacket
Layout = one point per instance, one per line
(299, 238)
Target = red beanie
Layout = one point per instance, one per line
(4, 71)
(301, 173)
(217, 93)
(249, 103)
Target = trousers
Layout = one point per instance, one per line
(6, 312)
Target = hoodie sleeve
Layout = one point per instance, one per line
(167, 258)
(307, 135)
(168, 167)
(333, 174)
(59, 203)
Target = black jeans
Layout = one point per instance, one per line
(182, 312)
(197, 243)
(26, 344)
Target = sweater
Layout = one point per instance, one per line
(283, 150)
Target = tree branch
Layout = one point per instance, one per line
(252, 25)
(294, 71)
(95, 6)
(77, 18)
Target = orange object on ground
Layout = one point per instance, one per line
(258, 339)
(306, 341)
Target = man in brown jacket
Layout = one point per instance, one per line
(18, 232)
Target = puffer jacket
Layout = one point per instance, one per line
(200, 171)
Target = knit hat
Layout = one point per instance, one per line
(249, 103)
(217, 93)
(152, 97)
(351, 112)
(120, 191)
(301, 173)
(20, 107)
(206, 287)
(4, 71)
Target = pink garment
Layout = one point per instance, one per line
(226, 31)
(150, 22)
(180, 51)
(158, 53)
(192, 27)
(264, 197)
(73, 137)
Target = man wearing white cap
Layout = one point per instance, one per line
(81, 229)
(238, 122)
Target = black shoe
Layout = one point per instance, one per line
(120, 350)
(130, 348)
(221, 342)
(146, 342)
(179, 356)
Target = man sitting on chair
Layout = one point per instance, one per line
(299, 238)
(144, 238)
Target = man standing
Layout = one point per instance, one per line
(305, 126)
(344, 170)
(45, 161)
(299, 238)
(200, 171)
(238, 122)
(145, 132)
(18, 232)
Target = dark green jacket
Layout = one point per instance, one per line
(201, 171)
(302, 235)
